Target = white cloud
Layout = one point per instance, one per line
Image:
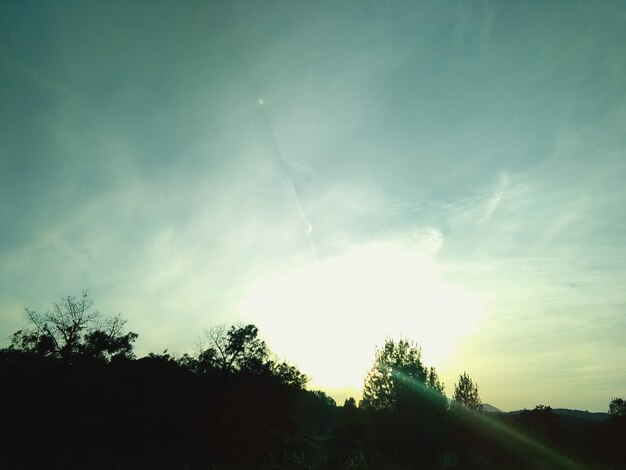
(494, 200)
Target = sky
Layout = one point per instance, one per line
(336, 173)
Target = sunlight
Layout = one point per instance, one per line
(329, 316)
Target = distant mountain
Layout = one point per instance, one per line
(578, 414)
(596, 417)
(487, 408)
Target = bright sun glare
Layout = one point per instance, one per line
(329, 316)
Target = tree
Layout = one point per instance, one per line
(287, 373)
(325, 398)
(235, 349)
(239, 349)
(349, 403)
(466, 393)
(398, 377)
(541, 421)
(74, 328)
(617, 407)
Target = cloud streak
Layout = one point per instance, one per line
(282, 165)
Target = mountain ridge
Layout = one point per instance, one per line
(597, 416)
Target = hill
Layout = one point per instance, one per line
(487, 408)
(584, 415)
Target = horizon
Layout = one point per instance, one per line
(337, 175)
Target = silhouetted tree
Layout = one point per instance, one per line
(287, 373)
(235, 349)
(466, 393)
(325, 398)
(405, 405)
(349, 403)
(541, 421)
(73, 327)
(249, 405)
(617, 407)
(239, 349)
(613, 443)
(398, 374)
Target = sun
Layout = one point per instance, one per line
(328, 317)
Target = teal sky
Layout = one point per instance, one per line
(335, 172)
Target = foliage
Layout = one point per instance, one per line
(539, 412)
(74, 328)
(405, 401)
(235, 349)
(617, 407)
(325, 398)
(234, 405)
(286, 373)
(398, 376)
(240, 350)
(466, 393)
(349, 403)
(541, 422)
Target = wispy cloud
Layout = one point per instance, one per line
(10, 59)
(494, 200)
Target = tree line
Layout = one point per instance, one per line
(76, 396)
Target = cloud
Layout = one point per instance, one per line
(13, 63)
(170, 254)
(543, 265)
(492, 203)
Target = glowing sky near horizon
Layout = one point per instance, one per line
(334, 172)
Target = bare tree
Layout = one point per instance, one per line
(236, 348)
(68, 320)
(239, 349)
(73, 326)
